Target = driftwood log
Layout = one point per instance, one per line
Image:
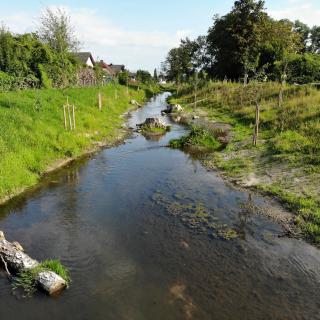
(15, 259)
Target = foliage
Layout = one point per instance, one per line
(39, 60)
(56, 31)
(182, 62)
(144, 76)
(235, 39)
(303, 68)
(147, 130)
(242, 43)
(198, 137)
(155, 75)
(123, 77)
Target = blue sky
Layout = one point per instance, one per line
(139, 33)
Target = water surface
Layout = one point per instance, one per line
(118, 222)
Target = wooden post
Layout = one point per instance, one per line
(65, 116)
(256, 127)
(70, 121)
(280, 98)
(100, 101)
(74, 117)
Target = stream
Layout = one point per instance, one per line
(148, 233)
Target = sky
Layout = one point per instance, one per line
(139, 33)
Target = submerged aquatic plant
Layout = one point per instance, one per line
(196, 216)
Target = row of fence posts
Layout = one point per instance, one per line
(68, 117)
(69, 112)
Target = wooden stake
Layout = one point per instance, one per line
(100, 101)
(70, 121)
(74, 117)
(65, 116)
(256, 127)
(280, 98)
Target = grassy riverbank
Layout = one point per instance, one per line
(32, 133)
(286, 161)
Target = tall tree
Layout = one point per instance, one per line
(315, 39)
(155, 75)
(234, 39)
(56, 30)
(304, 32)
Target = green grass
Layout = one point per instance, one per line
(154, 131)
(32, 133)
(289, 137)
(58, 268)
(198, 137)
(308, 209)
(27, 279)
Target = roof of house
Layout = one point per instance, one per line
(106, 68)
(84, 56)
(117, 67)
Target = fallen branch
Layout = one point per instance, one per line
(14, 258)
(5, 265)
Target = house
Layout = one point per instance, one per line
(133, 76)
(107, 69)
(85, 58)
(117, 68)
(86, 74)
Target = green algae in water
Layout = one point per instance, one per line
(195, 216)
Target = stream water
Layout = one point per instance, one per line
(148, 233)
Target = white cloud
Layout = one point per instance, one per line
(305, 12)
(110, 41)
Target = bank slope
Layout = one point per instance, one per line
(33, 136)
(286, 161)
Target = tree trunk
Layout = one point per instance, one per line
(17, 261)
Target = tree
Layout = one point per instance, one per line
(123, 77)
(315, 39)
(191, 56)
(55, 29)
(144, 76)
(279, 42)
(234, 40)
(155, 75)
(304, 32)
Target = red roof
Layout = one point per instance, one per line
(106, 67)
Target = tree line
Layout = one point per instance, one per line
(43, 58)
(247, 43)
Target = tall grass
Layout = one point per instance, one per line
(32, 134)
(293, 127)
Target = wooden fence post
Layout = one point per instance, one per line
(100, 101)
(65, 116)
(74, 117)
(256, 127)
(70, 121)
